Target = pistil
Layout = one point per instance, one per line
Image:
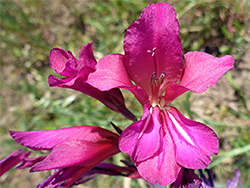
(152, 52)
(155, 82)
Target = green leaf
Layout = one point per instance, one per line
(232, 153)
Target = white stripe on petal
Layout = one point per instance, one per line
(180, 129)
(146, 123)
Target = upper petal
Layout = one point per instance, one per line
(46, 140)
(194, 141)
(78, 153)
(110, 73)
(157, 29)
(58, 58)
(141, 139)
(67, 65)
(203, 70)
(86, 56)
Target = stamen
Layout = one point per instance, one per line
(155, 84)
(152, 78)
(163, 75)
(156, 81)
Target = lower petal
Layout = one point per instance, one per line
(161, 168)
(141, 139)
(194, 141)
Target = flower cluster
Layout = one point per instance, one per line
(165, 146)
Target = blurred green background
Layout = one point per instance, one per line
(30, 28)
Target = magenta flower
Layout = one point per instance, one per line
(163, 141)
(76, 73)
(74, 151)
(12, 160)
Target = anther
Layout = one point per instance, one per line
(152, 78)
(162, 76)
(156, 81)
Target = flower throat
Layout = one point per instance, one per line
(155, 82)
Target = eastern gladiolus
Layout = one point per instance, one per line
(12, 160)
(74, 151)
(163, 141)
(76, 73)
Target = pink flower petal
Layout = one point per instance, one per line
(161, 168)
(76, 176)
(86, 56)
(12, 160)
(157, 29)
(71, 69)
(48, 181)
(63, 177)
(203, 70)
(173, 91)
(64, 82)
(64, 62)
(78, 153)
(77, 72)
(46, 140)
(194, 141)
(67, 65)
(28, 162)
(110, 73)
(58, 59)
(113, 99)
(141, 139)
(69, 172)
